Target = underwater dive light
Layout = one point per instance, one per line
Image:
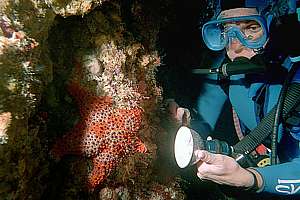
(187, 141)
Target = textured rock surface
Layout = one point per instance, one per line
(73, 7)
(24, 70)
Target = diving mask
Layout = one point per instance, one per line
(251, 31)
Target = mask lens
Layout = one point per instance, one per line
(250, 31)
(214, 36)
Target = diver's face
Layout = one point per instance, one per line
(250, 29)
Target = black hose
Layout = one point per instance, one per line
(263, 130)
(278, 115)
(240, 65)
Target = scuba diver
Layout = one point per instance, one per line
(262, 79)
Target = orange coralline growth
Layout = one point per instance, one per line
(104, 133)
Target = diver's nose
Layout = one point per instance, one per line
(235, 45)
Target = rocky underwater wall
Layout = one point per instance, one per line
(80, 107)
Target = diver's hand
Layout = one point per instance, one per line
(224, 170)
(180, 115)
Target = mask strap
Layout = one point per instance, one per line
(217, 8)
(269, 20)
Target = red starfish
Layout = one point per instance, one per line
(104, 133)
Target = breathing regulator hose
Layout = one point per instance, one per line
(282, 112)
(289, 99)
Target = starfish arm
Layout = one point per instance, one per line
(70, 143)
(82, 97)
(77, 92)
(80, 141)
(103, 163)
(87, 101)
(128, 119)
(140, 146)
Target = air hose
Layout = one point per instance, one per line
(281, 112)
(240, 65)
(289, 100)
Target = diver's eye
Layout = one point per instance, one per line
(254, 28)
